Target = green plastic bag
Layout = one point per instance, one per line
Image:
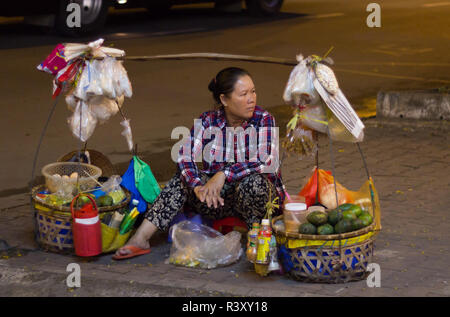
(145, 181)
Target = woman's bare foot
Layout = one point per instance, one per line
(133, 242)
(140, 239)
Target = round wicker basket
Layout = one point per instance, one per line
(97, 159)
(54, 223)
(56, 183)
(336, 258)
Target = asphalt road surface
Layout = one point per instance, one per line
(408, 51)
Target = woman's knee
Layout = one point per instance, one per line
(254, 185)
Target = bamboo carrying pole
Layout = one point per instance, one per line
(213, 56)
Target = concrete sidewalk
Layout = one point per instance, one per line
(408, 161)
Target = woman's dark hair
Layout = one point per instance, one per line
(224, 82)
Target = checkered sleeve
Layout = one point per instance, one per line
(190, 149)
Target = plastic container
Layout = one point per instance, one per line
(294, 215)
(87, 236)
(252, 241)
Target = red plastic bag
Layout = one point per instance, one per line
(309, 191)
(327, 193)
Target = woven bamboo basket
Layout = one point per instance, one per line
(336, 258)
(97, 159)
(54, 223)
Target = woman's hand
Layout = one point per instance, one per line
(211, 191)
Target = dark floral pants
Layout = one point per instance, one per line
(245, 199)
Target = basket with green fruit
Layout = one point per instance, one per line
(333, 246)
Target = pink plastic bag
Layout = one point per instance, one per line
(54, 62)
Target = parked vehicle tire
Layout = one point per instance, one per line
(263, 7)
(93, 15)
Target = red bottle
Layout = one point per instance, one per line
(86, 229)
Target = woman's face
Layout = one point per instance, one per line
(241, 102)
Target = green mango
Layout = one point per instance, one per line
(317, 218)
(307, 228)
(366, 218)
(357, 224)
(334, 216)
(345, 207)
(349, 215)
(325, 229)
(357, 210)
(105, 201)
(343, 226)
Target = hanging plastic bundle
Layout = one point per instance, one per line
(94, 81)
(319, 104)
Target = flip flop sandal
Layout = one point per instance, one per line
(135, 251)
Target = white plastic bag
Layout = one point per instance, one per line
(95, 76)
(103, 108)
(127, 133)
(112, 188)
(95, 48)
(318, 117)
(196, 245)
(82, 123)
(83, 82)
(122, 83)
(300, 89)
(72, 102)
(315, 117)
(107, 80)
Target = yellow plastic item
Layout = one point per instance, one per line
(300, 243)
(112, 239)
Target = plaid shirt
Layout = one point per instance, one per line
(254, 150)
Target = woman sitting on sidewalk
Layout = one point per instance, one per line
(235, 181)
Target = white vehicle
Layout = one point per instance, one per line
(93, 13)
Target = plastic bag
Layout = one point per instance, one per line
(83, 122)
(112, 239)
(112, 188)
(72, 102)
(95, 76)
(196, 245)
(315, 117)
(327, 195)
(122, 84)
(300, 141)
(94, 48)
(65, 78)
(127, 133)
(129, 182)
(114, 81)
(145, 180)
(318, 117)
(54, 62)
(106, 79)
(300, 89)
(83, 82)
(103, 108)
